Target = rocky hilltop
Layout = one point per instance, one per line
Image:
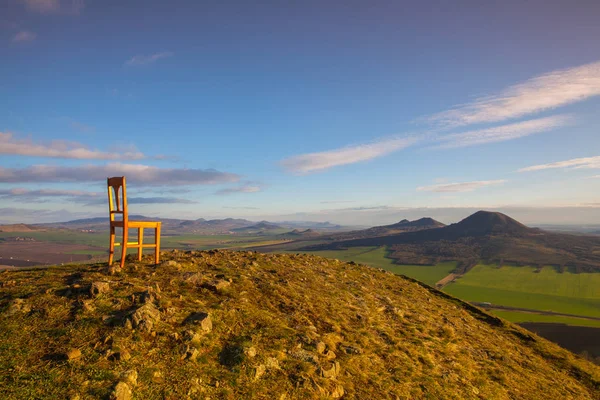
(230, 325)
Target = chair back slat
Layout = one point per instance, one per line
(117, 197)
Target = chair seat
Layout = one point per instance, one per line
(143, 224)
(136, 224)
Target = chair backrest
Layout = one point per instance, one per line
(117, 197)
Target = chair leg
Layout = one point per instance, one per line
(111, 246)
(124, 246)
(140, 242)
(157, 241)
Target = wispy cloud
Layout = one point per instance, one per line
(242, 208)
(503, 133)
(312, 162)
(337, 201)
(545, 92)
(24, 36)
(576, 163)
(55, 6)
(239, 189)
(59, 149)
(458, 187)
(42, 195)
(81, 127)
(37, 216)
(144, 60)
(138, 174)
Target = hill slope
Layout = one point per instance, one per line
(224, 324)
(489, 236)
(386, 230)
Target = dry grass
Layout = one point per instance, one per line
(283, 327)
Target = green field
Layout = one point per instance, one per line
(515, 316)
(548, 290)
(376, 257)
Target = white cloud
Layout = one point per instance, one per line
(143, 60)
(24, 36)
(142, 175)
(545, 92)
(458, 187)
(503, 133)
(239, 189)
(312, 162)
(576, 163)
(59, 149)
(55, 6)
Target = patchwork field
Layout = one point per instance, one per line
(547, 290)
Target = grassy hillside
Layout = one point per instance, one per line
(231, 325)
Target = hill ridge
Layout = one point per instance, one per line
(249, 325)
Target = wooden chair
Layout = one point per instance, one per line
(117, 204)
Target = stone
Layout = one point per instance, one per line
(321, 347)
(122, 355)
(98, 288)
(259, 371)
(130, 377)
(145, 317)
(200, 319)
(114, 269)
(217, 285)
(272, 363)
(338, 392)
(170, 263)
(332, 371)
(250, 351)
(122, 391)
(73, 354)
(157, 376)
(330, 355)
(191, 354)
(18, 306)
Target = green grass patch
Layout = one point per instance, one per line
(525, 280)
(515, 316)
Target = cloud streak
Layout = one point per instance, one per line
(576, 163)
(24, 36)
(458, 187)
(544, 92)
(138, 174)
(313, 162)
(149, 59)
(59, 149)
(503, 133)
(54, 6)
(239, 189)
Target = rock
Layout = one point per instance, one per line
(200, 319)
(259, 371)
(330, 355)
(170, 263)
(114, 269)
(250, 351)
(18, 306)
(73, 354)
(216, 285)
(157, 376)
(332, 371)
(338, 392)
(148, 297)
(191, 353)
(272, 363)
(122, 391)
(321, 347)
(145, 317)
(98, 288)
(130, 377)
(87, 306)
(122, 355)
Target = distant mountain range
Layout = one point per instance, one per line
(490, 236)
(199, 226)
(386, 230)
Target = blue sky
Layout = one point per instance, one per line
(353, 112)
